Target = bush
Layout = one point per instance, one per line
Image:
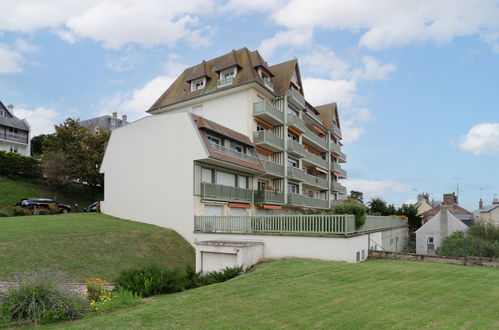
(38, 299)
(40, 211)
(151, 280)
(116, 299)
(5, 213)
(18, 211)
(194, 280)
(14, 164)
(352, 208)
(52, 209)
(96, 288)
(480, 240)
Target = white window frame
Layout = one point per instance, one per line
(195, 82)
(293, 185)
(215, 140)
(225, 81)
(293, 162)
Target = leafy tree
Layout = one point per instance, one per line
(83, 151)
(37, 144)
(58, 169)
(357, 196)
(377, 206)
(356, 209)
(390, 210)
(480, 240)
(414, 219)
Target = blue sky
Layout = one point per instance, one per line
(417, 82)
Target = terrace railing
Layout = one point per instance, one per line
(233, 153)
(226, 193)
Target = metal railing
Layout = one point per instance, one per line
(295, 97)
(296, 149)
(337, 168)
(265, 108)
(225, 193)
(300, 200)
(273, 168)
(269, 196)
(296, 173)
(336, 130)
(295, 121)
(316, 181)
(14, 137)
(233, 153)
(293, 224)
(321, 142)
(336, 186)
(268, 138)
(225, 82)
(316, 160)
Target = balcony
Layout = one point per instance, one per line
(295, 98)
(296, 122)
(268, 113)
(14, 138)
(233, 153)
(268, 84)
(336, 149)
(300, 200)
(296, 173)
(335, 167)
(337, 187)
(269, 197)
(225, 193)
(273, 169)
(315, 140)
(315, 181)
(313, 159)
(268, 141)
(337, 131)
(296, 149)
(225, 82)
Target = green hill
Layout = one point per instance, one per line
(311, 294)
(12, 190)
(87, 245)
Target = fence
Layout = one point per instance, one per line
(292, 224)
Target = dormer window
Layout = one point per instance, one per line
(266, 78)
(227, 76)
(198, 84)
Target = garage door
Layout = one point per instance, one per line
(216, 261)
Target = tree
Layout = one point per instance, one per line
(356, 196)
(58, 169)
(413, 218)
(83, 151)
(37, 144)
(377, 206)
(480, 240)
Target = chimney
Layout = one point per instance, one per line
(444, 220)
(450, 199)
(11, 109)
(480, 204)
(495, 201)
(423, 197)
(124, 118)
(115, 114)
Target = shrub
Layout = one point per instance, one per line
(96, 288)
(116, 299)
(38, 299)
(352, 208)
(5, 213)
(14, 164)
(53, 209)
(194, 280)
(40, 211)
(480, 240)
(18, 211)
(151, 280)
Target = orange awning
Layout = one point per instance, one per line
(318, 129)
(264, 151)
(317, 168)
(337, 174)
(311, 149)
(294, 131)
(245, 206)
(272, 207)
(264, 123)
(335, 156)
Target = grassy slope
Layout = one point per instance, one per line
(317, 294)
(86, 245)
(12, 190)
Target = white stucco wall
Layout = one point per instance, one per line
(436, 228)
(246, 256)
(23, 149)
(148, 172)
(491, 217)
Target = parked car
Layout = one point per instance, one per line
(92, 207)
(32, 203)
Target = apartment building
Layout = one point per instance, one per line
(106, 122)
(231, 136)
(14, 132)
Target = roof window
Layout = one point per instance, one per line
(227, 77)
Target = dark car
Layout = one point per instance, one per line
(92, 207)
(32, 203)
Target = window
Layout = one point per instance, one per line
(262, 184)
(363, 254)
(227, 76)
(214, 140)
(237, 147)
(260, 128)
(226, 179)
(391, 241)
(311, 193)
(293, 188)
(242, 181)
(292, 136)
(13, 149)
(292, 162)
(197, 84)
(357, 256)
(430, 240)
(207, 175)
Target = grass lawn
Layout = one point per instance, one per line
(86, 245)
(12, 190)
(374, 294)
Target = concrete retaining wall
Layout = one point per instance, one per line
(469, 261)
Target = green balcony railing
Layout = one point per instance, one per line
(293, 224)
(337, 168)
(265, 137)
(316, 160)
(273, 168)
(296, 149)
(233, 153)
(316, 139)
(300, 200)
(295, 97)
(316, 181)
(296, 122)
(336, 130)
(264, 108)
(337, 187)
(269, 84)
(226, 193)
(268, 196)
(296, 173)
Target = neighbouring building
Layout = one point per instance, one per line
(14, 132)
(450, 201)
(424, 204)
(107, 122)
(488, 213)
(231, 140)
(431, 235)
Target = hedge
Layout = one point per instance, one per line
(14, 164)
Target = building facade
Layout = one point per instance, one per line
(231, 136)
(106, 122)
(14, 132)
(488, 213)
(450, 202)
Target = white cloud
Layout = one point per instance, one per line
(242, 6)
(481, 139)
(376, 188)
(388, 23)
(321, 91)
(373, 70)
(41, 120)
(492, 39)
(114, 23)
(125, 62)
(10, 60)
(25, 47)
(295, 38)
